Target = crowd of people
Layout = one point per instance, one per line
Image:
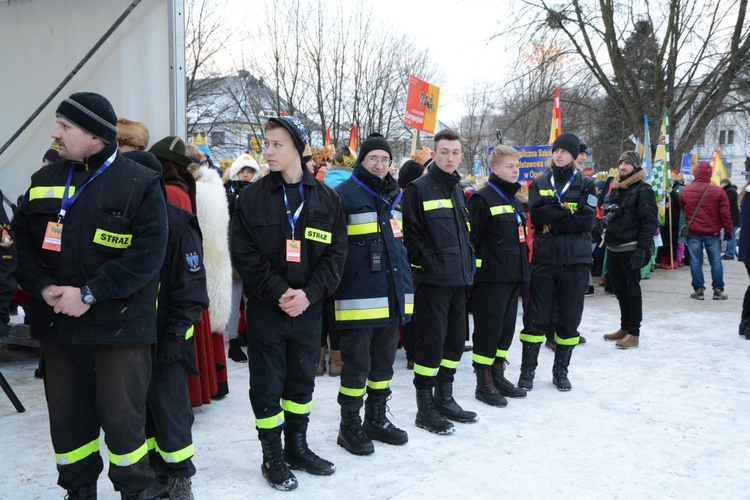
(298, 260)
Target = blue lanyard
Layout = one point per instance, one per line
(502, 195)
(565, 189)
(364, 186)
(293, 218)
(67, 201)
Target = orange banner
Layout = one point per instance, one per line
(421, 105)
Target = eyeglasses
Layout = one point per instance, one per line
(204, 163)
(386, 162)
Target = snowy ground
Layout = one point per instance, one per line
(666, 420)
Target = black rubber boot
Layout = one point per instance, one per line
(300, 457)
(351, 435)
(560, 368)
(236, 353)
(502, 384)
(486, 391)
(86, 492)
(274, 468)
(427, 417)
(139, 495)
(180, 488)
(528, 365)
(377, 426)
(447, 406)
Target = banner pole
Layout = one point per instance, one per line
(414, 135)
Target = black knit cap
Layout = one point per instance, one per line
(374, 141)
(631, 158)
(298, 130)
(91, 113)
(583, 148)
(409, 171)
(148, 160)
(569, 142)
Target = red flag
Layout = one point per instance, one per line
(353, 139)
(328, 137)
(556, 126)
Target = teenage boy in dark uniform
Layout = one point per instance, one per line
(436, 235)
(289, 246)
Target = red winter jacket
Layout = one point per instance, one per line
(713, 213)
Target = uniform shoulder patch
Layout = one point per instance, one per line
(591, 200)
(5, 240)
(193, 261)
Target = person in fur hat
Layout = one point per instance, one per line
(243, 172)
(630, 221)
(132, 136)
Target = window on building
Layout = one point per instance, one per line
(726, 137)
(217, 138)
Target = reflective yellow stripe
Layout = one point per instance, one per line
(354, 393)
(560, 341)
(78, 454)
(409, 306)
(128, 458)
(528, 337)
(378, 386)
(112, 240)
(364, 223)
(482, 360)
(425, 370)
(448, 363)
(151, 443)
(501, 209)
(361, 309)
(435, 204)
(173, 457)
(49, 192)
(546, 192)
(468, 226)
(189, 332)
(270, 422)
(315, 234)
(415, 266)
(479, 263)
(297, 408)
(501, 354)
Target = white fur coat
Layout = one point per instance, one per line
(213, 218)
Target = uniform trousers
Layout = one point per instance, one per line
(494, 307)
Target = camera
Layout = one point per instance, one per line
(611, 212)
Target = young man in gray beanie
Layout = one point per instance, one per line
(289, 246)
(561, 206)
(91, 233)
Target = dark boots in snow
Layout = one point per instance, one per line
(528, 365)
(274, 468)
(300, 457)
(427, 417)
(236, 353)
(560, 368)
(502, 384)
(486, 391)
(447, 406)
(351, 435)
(377, 426)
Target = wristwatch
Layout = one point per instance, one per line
(87, 296)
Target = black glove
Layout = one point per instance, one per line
(727, 235)
(637, 259)
(169, 348)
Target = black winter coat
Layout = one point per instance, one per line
(637, 217)
(260, 229)
(113, 240)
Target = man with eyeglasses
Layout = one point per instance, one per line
(436, 235)
(375, 295)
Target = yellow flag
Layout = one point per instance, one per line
(718, 172)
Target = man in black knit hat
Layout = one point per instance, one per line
(561, 206)
(91, 233)
(288, 246)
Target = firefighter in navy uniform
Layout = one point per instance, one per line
(436, 235)
(182, 297)
(498, 231)
(561, 205)
(374, 297)
(91, 234)
(289, 246)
